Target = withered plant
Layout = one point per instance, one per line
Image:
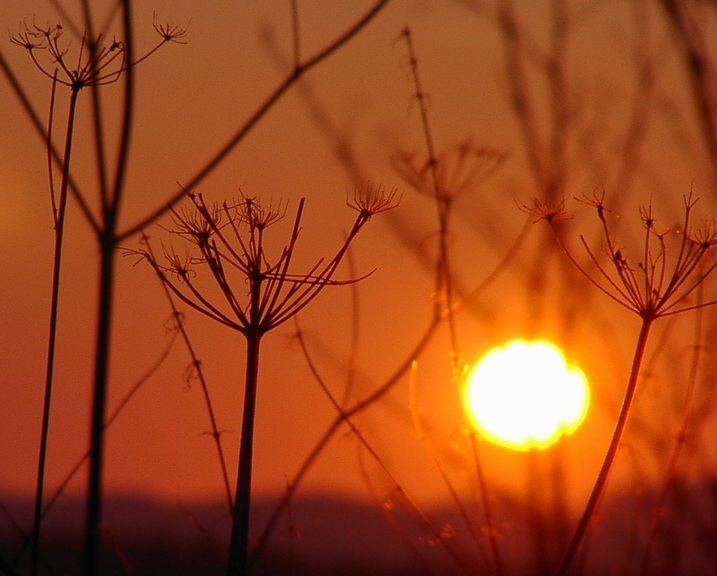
(97, 63)
(256, 293)
(100, 62)
(659, 283)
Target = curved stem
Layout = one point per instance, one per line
(601, 480)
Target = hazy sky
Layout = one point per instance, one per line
(192, 97)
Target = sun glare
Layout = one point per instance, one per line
(524, 395)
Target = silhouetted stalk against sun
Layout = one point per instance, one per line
(444, 204)
(228, 240)
(680, 438)
(435, 179)
(585, 519)
(658, 286)
(345, 417)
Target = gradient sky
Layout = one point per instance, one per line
(190, 99)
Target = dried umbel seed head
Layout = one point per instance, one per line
(370, 199)
(661, 280)
(451, 173)
(253, 292)
(169, 32)
(540, 210)
(98, 62)
(255, 214)
(104, 65)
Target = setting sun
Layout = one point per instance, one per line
(524, 395)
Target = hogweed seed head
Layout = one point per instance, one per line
(662, 279)
(97, 62)
(230, 242)
(548, 212)
(370, 199)
(169, 32)
(451, 173)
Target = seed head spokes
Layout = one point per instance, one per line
(660, 280)
(370, 199)
(541, 210)
(169, 32)
(106, 67)
(460, 168)
(198, 222)
(252, 291)
(98, 61)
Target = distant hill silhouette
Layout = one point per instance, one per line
(334, 536)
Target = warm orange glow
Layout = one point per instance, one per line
(524, 395)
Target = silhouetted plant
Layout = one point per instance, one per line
(95, 65)
(659, 285)
(227, 241)
(444, 178)
(195, 371)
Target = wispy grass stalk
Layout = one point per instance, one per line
(438, 534)
(437, 181)
(359, 406)
(196, 367)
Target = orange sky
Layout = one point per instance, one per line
(190, 99)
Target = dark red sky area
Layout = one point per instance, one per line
(192, 97)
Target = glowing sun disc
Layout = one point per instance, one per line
(524, 395)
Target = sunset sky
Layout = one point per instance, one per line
(192, 97)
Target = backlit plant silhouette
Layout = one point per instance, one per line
(559, 132)
(96, 64)
(658, 285)
(256, 293)
(100, 63)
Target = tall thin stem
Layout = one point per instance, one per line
(99, 402)
(107, 240)
(680, 440)
(54, 306)
(647, 321)
(237, 565)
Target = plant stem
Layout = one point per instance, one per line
(240, 524)
(99, 401)
(647, 321)
(54, 306)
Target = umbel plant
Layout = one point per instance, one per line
(256, 293)
(96, 64)
(101, 59)
(659, 284)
